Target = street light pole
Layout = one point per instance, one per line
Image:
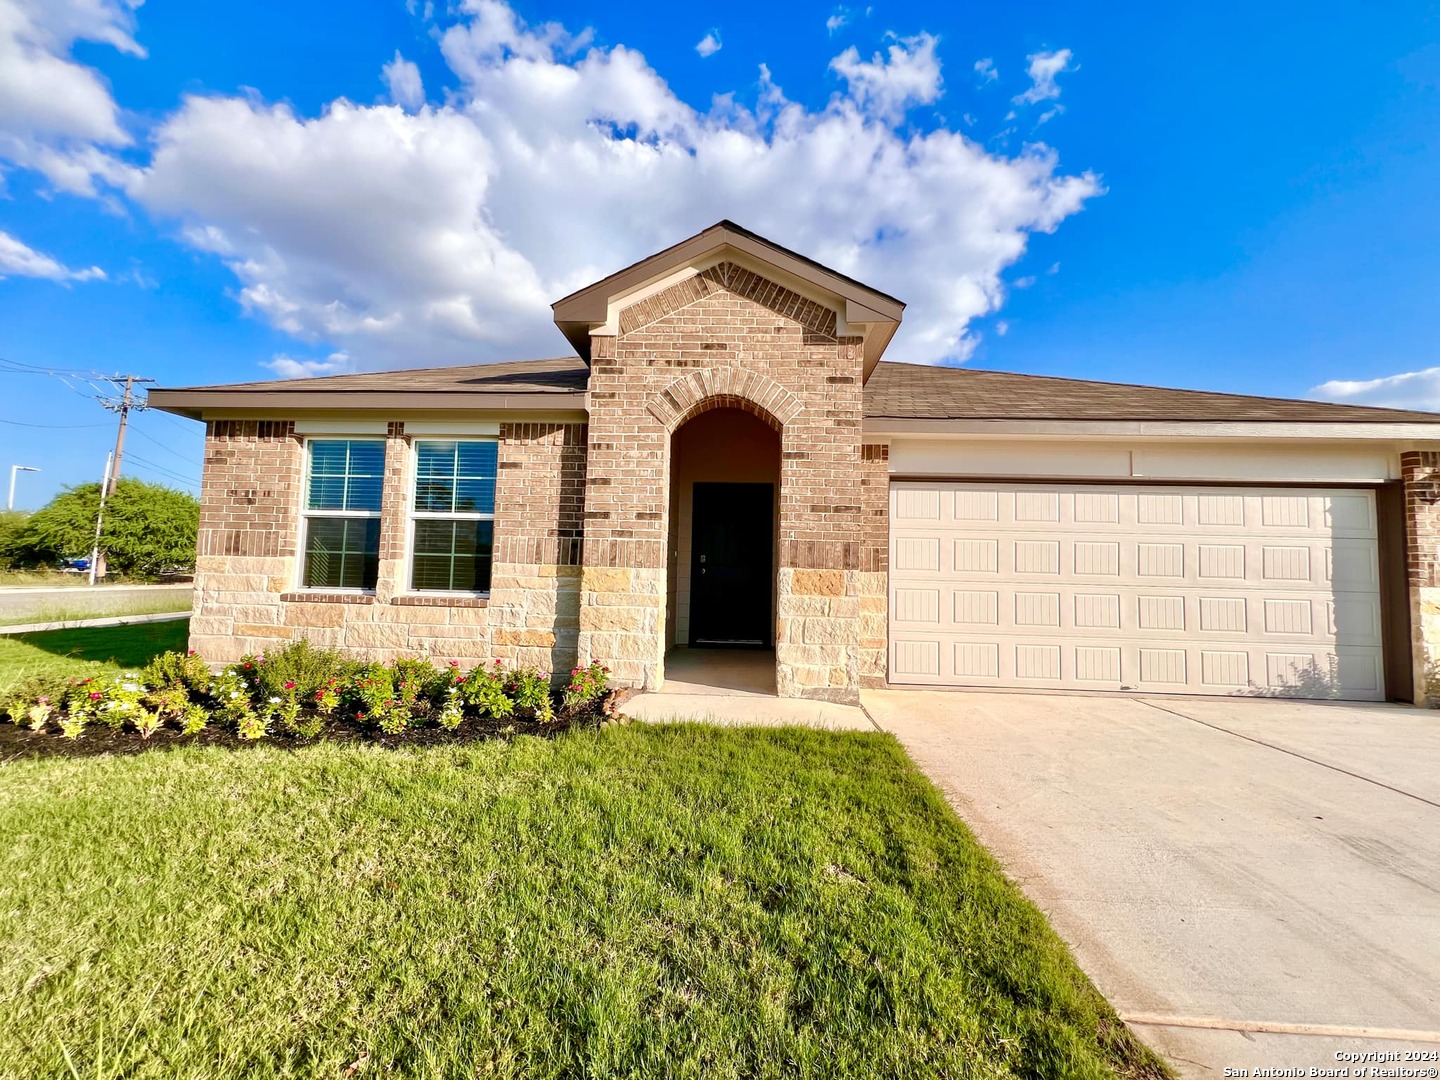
(10, 502)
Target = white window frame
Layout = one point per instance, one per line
(306, 514)
(430, 515)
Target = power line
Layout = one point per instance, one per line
(168, 449)
(53, 427)
(163, 469)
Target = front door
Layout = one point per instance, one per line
(731, 564)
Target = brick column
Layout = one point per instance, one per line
(249, 526)
(874, 578)
(394, 515)
(1420, 470)
(622, 582)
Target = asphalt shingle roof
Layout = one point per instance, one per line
(918, 392)
(896, 391)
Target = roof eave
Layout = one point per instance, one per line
(1372, 430)
(195, 403)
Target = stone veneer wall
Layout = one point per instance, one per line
(728, 337)
(246, 598)
(1420, 471)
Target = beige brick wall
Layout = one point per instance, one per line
(728, 338)
(247, 571)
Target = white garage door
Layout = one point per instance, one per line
(1269, 591)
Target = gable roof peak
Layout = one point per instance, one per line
(866, 312)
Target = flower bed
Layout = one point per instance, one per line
(295, 695)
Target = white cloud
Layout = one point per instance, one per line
(1043, 69)
(402, 79)
(838, 20)
(1408, 390)
(1024, 282)
(986, 70)
(710, 44)
(17, 259)
(287, 367)
(1002, 328)
(442, 236)
(56, 115)
(907, 74)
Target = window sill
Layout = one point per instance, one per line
(439, 600)
(319, 596)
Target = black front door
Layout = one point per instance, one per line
(731, 564)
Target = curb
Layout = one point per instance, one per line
(81, 624)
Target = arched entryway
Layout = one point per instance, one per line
(721, 579)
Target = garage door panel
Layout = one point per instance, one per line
(1253, 591)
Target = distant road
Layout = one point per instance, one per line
(26, 603)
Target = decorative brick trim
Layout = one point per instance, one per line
(723, 388)
(395, 429)
(250, 429)
(744, 283)
(327, 598)
(1420, 470)
(423, 600)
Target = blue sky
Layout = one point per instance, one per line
(1227, 196)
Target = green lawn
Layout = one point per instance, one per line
(87, 651)
(71, 612)
(679, 901)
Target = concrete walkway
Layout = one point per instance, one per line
(1251, 883)
(735, 686)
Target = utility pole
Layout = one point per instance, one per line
(100, 519)
(122, 406)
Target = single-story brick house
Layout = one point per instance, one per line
(726, 459)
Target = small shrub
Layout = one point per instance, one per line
(252, 725)
(452, 711)
(308, 725)
(367, 693)
(170, 702)
(117, 700)
(72, 726)
(484, 690)
(146, 722)
(305, 666)
(38, 715)
(587, 685)
(531, 691)
(177, 671)
(194, 719)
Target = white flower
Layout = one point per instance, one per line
(234, 694)
(274, 701)
(129, 686)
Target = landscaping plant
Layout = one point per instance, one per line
(302, 692)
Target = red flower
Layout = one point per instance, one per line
(290, 685)
(454, 663)
(94, 696)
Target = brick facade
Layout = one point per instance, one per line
(1420, 473)
(247, 571)
(728, 337)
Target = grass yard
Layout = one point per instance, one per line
(73, 612)
(90, 651)
(678, 901)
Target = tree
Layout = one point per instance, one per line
(148, 528)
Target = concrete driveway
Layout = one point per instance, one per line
(1253, 884)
